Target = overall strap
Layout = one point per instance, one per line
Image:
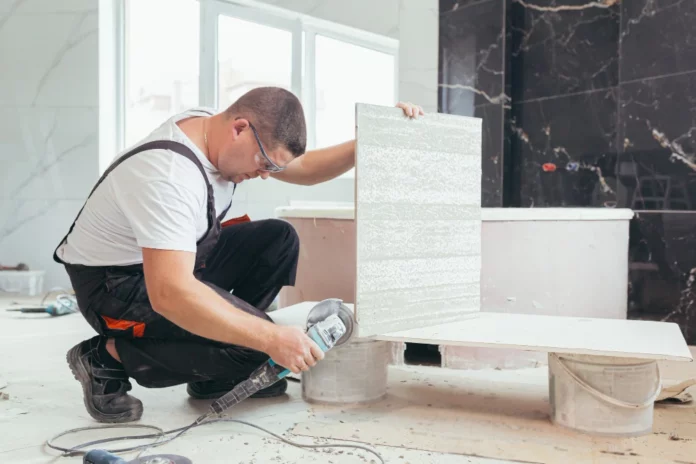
(234, 189)
(176, 147)
(224, 212)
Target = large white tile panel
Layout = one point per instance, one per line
(48, 153)
(418, 219)
(49, 59)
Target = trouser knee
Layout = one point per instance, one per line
(284, 234)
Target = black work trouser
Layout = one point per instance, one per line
(249, 265)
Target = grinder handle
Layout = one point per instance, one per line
(314, 335)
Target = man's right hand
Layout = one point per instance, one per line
(293, 349)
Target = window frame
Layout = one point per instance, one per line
(304, 29)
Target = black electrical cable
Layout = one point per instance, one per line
(161, 434)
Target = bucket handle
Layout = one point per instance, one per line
(603, 396)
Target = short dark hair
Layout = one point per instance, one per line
(277, 115)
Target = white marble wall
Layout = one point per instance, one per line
(48, 125)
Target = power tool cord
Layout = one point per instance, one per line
(180, 431)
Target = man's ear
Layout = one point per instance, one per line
(241, 123)
(238, 126)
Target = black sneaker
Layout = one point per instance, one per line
(104, 388)
(214, 389)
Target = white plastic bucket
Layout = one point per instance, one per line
(26, 283)
(603, 395)
(352, 373)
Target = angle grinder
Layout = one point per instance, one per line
(330, 323)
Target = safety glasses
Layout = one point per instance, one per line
(266, 162)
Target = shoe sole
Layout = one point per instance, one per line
(259, 394)
(81, 374)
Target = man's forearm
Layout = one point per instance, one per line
(200, 310)
(318, 166)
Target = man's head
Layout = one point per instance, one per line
(259, 133)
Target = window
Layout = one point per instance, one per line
(236, 48)
(161, 63)
(345, 75)
(251, 55)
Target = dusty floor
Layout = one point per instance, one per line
(43, 400)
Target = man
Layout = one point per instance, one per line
(175, 297)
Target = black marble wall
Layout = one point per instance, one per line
(588, 104)
(472, 79)
(662, 269)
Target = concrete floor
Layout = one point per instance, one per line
(44, 400)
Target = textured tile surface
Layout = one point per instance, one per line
(418, 191)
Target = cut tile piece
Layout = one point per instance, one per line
(556, 334)
(418, 219)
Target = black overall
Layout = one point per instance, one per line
(246, 263)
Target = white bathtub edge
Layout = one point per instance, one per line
(556, 214)
(347, 212)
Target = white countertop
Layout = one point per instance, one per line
(330, 210)
(555, 214)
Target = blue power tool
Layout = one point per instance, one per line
(64, 304)
(329, 324)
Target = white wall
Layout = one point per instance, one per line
(48, 125)
(416, 24)
(419, 27)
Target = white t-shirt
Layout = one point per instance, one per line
(154, 199)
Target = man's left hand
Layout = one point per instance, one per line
(411, 110)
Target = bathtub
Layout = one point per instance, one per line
(550, 261)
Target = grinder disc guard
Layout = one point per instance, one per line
(329, 307)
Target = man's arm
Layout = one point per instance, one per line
(178, 296)
(318, 166)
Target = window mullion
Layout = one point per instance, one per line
(297, 60)
(208, 61)
(310, 89)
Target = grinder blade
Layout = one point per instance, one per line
(329, 307)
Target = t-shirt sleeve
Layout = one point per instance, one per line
(163, 215)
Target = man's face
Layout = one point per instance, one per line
(240, 157)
